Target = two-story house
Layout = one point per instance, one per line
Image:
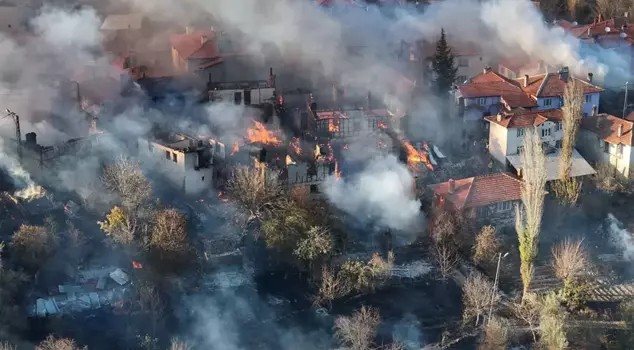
(607, 139)
(506, 135)
(489, 199)
(191, 163)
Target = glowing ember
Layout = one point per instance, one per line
(333, 125)
(136, 265)
(295, 145)
(337, 171)
(259, 134)
(31, 192)
(415, 157)
(236, 148)
(223, 200)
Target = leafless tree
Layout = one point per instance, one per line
(477, 296)
(611, 8)
(446, 258)
(570, 260)
(179, 345)
(496, 335)
(169, 232)
(571, 111)
(7, 346)
(529, 218)
(331, 287)
(528, 310)
(125, 178)
(34, 245)
(52, 343)
(444, 227)
(486, 246)
(357, 331)
(256, 189)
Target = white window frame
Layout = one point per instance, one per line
(520, 132)
(548, 102)
(588, 98)
(546, 132)
(481, 101)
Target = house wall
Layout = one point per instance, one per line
(470, 66)
(553, 102)
(236, 68)
(349, 127)
(298, 173)
(498, 142)
(557, 102)
(500, 214)
(489, 103)
(591, 147)
(594, 101)
(258, 96)
(183, 172)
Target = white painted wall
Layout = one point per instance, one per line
(592, 146)
(555, 102)
(498, 142)
(504, 142)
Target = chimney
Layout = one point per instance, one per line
(189, 30)
(486, 69)
(563, 74)
(590, 75)
(31, 139)
(519, 172)
(499, 117)
(452, 186)
(589, 31)
(594, 110)
(313, 107)
(203, 39)
(619, 131)
(525, 80)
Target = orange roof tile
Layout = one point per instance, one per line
(607, 127)
(523, 119)
(196, 45)
(553, 86)
(480, 190)
(493, 84)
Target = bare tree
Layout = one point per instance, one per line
(256, 189)
(7, 346)
(496, 335)
(34, 245)
(169, 232)
(52, 343)
(528, 311)
(570, 260)
(446, 258)
(611, 8)
(477, 296)
(179, 345)
(331, 287)
(529, 218)
(486, 245)
(357, 331)
(125, 178)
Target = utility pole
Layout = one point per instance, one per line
(625, 101)
(18, 134)
(495, 285)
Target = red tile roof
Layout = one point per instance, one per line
(553, 86)
(491, 84)
(480, 190)
(523, 119)
(196, 45)
(607, 126)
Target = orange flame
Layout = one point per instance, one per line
(337, 171)
(415, 156)
(136, 265)
(333, 125)
(295, 145)
(236, 148)
(259, 134)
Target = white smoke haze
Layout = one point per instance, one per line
(621, 238)
(382, 193)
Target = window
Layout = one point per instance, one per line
(588, 98)
(545, 132)
(606, 147)
(314, 189)
(619, 150)
(558, 144)
(481, 101)
(174, 157)
(168, 155)
(548, 102)
(504, 206)
(461, 79)
(558, 126)
(463, 62)
(237, 98)
(520, 132)
(202, 179)
(520, 149)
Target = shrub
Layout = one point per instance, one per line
(486, 245)
(357, 331)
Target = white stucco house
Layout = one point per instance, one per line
(493, 93)
(506, 135)
(188, 162)
(607, 139)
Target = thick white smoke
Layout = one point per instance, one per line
(621, 238)
(382, 193)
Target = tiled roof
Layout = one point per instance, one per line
(607, 127)
(491, 84)
(525, 119)
(480, 190)
(553, 86)
(196, 45)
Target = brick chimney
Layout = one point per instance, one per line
(525, 82)
(619, 131)
(486, 69)
(452, 186)
(563, 74)
(499, 117)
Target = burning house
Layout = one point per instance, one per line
(344, 124)
(191, 163)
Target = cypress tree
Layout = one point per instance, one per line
(443, 65)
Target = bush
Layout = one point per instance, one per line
(168, 234)
(496, 335)
(317, 243)
(552, 323)
(357, 332)
(486, 245)
(34, 245)
(567, 190)
(51, 343)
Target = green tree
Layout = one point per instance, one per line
(443, 65)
